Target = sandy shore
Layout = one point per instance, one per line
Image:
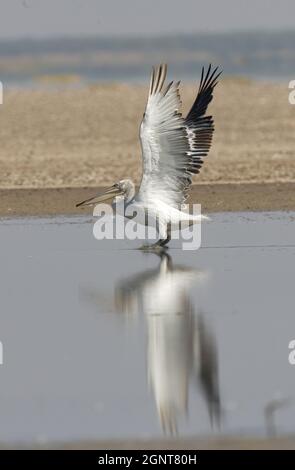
(226, 443)
(218, 443)
(213, 197)
(89, 136)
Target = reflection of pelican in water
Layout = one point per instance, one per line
(179, 342)
(208, 369)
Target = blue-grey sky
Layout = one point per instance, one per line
(39, 18)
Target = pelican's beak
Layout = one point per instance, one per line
(109, 193)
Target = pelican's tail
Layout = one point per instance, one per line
(199, 218)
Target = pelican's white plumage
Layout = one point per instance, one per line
(173, 148)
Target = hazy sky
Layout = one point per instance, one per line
(37, 18)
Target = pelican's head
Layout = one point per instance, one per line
(124, 188)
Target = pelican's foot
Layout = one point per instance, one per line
(155, 248)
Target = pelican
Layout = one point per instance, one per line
(173, 149)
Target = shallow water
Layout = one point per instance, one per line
(104, 341)
(251, 54)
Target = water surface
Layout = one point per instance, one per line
(103, 341)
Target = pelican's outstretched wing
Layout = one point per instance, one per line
(200, 128)
(173, 147)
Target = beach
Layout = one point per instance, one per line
(59, 144)
(229, 443)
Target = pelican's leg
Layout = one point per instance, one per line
(163, 242)
(167, 237)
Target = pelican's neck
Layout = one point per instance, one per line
(130, 192)
(127, 196)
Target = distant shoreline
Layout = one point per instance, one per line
(254, 54)
(213, 198)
